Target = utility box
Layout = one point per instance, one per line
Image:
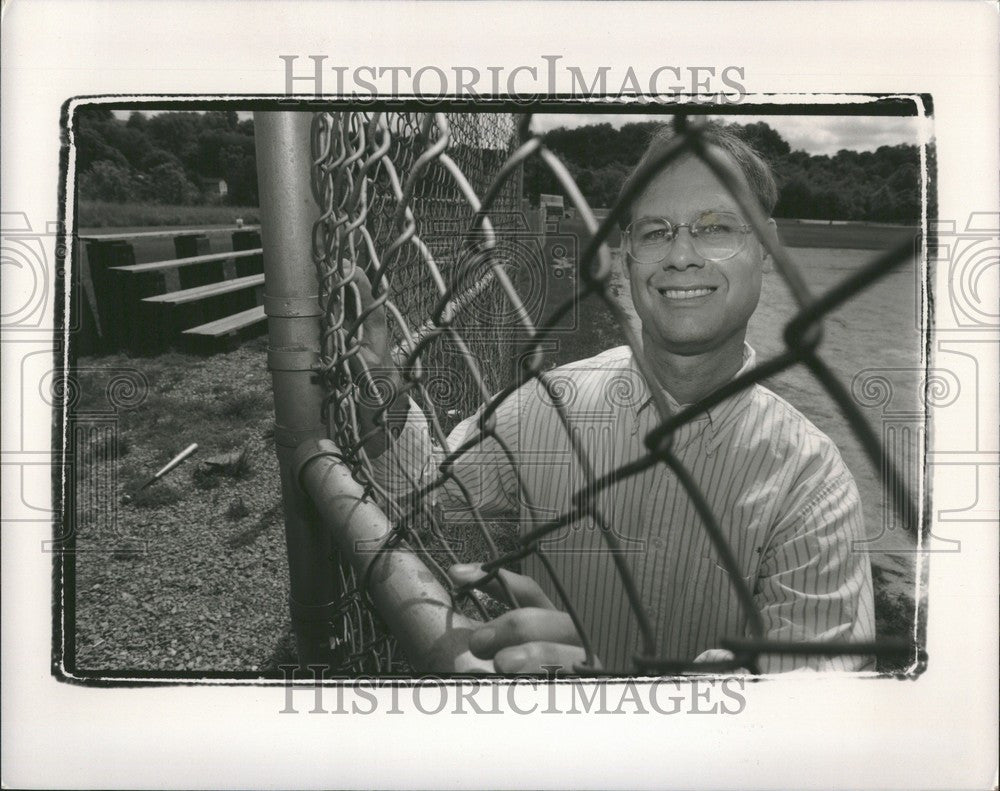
(553, 208)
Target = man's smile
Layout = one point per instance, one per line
(686, 292)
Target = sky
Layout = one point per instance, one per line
(815, 134)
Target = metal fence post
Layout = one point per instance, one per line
(418, 610)
(288, 212)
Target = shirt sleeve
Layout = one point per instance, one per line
(815, 580)
(481, 476)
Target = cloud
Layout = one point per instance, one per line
(819, 134)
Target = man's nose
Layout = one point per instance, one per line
(682, 254)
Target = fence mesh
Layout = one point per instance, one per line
(422, 204)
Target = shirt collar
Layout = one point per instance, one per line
(716, 414)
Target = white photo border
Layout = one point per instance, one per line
(796, 732)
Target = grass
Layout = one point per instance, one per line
(851, 236)
(237, 510)
(104, 214)
(250, 534)
(174, 412)
(238, 467)
(171, 415)
(242, 405)
(156, 495)
(109, 444)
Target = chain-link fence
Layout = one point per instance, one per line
(422, 204)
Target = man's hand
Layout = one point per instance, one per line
(529, 638)
(374, 341)
(373, 367)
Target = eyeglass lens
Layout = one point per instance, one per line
(714, 235)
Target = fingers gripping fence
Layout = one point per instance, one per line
(419, 204)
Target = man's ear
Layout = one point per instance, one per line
(766, 259)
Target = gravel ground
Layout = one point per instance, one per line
(209, 590)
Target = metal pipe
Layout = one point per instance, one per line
(415, 606)
(288, 212)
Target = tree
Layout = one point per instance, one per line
(164, 155)
(795, 199)
(539, 179)
(208, 157)
(92, 114)
(107, 181)
(137, 120)
(220, 119)
(157, 156)
(884, 206)
(239, 168)
(764, 140)
(91, 147)
(178, 134)
(169, 184)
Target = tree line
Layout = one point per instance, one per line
(162, 158)
(875, 186)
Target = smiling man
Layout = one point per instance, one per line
(695, 270)
(783, 497)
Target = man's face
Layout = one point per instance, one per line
(689, 305)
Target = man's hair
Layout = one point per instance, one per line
(755, 170)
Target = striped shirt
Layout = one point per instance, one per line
(777, 485)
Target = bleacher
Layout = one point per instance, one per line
(197, 300)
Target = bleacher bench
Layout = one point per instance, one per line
(111, 237)
(197, 294)
(220, 306)
(201, 292)
(177, 263)
(228, 325)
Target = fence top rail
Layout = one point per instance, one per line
(110, 237)
(210, 290)
(176, 263)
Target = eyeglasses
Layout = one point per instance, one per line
(715, 236)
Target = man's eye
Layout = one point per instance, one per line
(716, 229)
(654, 235)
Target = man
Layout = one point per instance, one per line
(783, 497)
